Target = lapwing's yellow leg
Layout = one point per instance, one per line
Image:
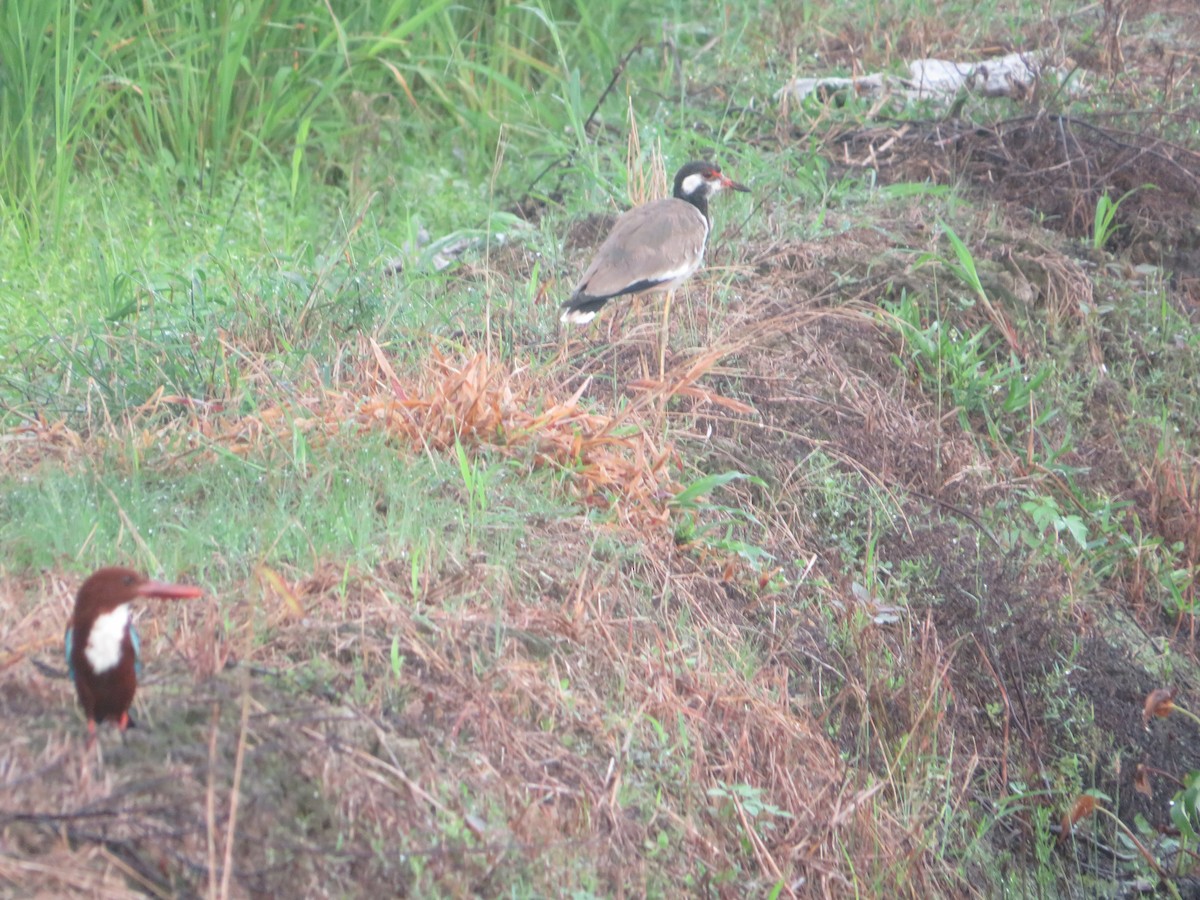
(662, 348)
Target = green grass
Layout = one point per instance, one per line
(197, 93)
(213, 514)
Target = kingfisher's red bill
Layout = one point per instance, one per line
(653, 247)
(102, 648)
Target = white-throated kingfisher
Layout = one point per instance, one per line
(103, 653)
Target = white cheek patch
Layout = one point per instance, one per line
(692, 184)
(103, 650)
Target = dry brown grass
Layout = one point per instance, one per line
(616, 721)
(522, 733)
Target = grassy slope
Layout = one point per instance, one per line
(459, 637)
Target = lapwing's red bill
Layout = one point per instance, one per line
(165, 591)
(727, 182)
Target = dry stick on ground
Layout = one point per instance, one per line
(234, 794)
(210, 802)
(1008, 712)
(135, 874)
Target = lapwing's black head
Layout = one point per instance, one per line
(697, 181)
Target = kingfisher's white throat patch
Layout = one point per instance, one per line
(103, 650)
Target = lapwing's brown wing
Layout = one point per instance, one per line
(652, 245)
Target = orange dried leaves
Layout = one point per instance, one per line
(480, 401)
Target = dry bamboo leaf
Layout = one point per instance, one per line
(386, 368)
(1141, 781)
(1084, 806)
(1159, 704)
(270, 578)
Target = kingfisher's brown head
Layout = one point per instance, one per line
(112, 587)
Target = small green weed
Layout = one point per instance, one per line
(1105, 226)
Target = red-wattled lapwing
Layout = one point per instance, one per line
(102, 646)
(652, 247)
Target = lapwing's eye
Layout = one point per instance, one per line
(129, 580)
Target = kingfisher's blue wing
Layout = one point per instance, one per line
(68, 640)
(137, 651)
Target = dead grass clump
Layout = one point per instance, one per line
(844, 268)
(1060, 166)
(57, 871)
(159, 811)
(1173, 487)
(1060, 282)
(742, 772)
(36, 441)
(1175, 501)
(478, 401)
(849, 400)
(578, 735)
(472, 401)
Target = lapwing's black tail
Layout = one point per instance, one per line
(581, 309)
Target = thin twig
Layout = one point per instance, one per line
(231, 829)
